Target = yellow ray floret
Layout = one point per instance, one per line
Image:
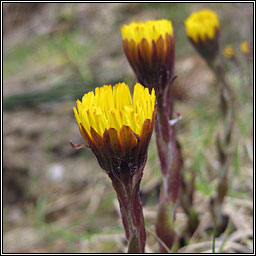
(150, 30)
(244, 47)
(202, 25)
(228, 51)
(113, 107)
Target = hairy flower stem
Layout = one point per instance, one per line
(170, 161)
(127, 190)
(227, 100)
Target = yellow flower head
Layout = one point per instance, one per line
(113, 107)
(245, 47)
(202, 25)
(149, 48)
(116, 126)
(228, 52)
(149, 30)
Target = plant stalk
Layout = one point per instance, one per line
(131, 211)
(227, 101)
(170, 161)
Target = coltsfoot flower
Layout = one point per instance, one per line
(203, 28)
(149, 48)
(116, 127)
(228, 52)
(246, 49)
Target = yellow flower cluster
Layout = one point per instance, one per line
(202, 25)
(228, 51)
(113, 107)
(150, 30)
(244, 47)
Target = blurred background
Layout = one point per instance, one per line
(56, 199)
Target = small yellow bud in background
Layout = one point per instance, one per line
(202, 29)
(228, 52)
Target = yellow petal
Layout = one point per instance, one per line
(149, 30)
(114, 108)
(202, 25)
